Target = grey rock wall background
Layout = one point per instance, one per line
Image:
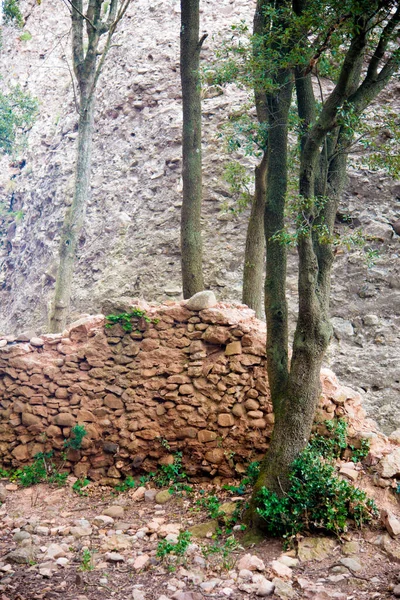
(130, 245)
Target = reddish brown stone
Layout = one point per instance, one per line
(206, 436)
(225, 420)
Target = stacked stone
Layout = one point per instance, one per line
(181, 380)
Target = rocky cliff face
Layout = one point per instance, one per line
(130, 245)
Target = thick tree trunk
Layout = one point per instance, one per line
(74, 219)
(191, 242)
(254, 256)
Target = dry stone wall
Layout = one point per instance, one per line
(190, 381)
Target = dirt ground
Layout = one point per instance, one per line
(50, 515)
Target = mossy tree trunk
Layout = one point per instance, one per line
(191, 242)
(89, 25)
(324, 141)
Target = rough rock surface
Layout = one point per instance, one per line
(130, 243)
(172, 383)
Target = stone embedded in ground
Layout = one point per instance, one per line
(250, 562)
(283, 589)
(350, 473)
(103, 520)
(315, 548)
(117, 542)
(201, 300)
(396, 591)
(391, 523)
(21, 556)
(351, 563)
(350, 548)
(209, 585)
(281, 570)
(3, 493)
(204, 530)
(289, 561)
(141, 561)
(114, 557)
(115, 512)
(163, 497)
(138, 595)
(138, 494)
(79, 532)
(265, 588)
(55, 551)
(150, 495)
(390, 464)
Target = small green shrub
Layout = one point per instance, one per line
(128, 484)
(78, 432)
(86, 561)
(316, 500)
(12, 13)
(172, 475)
(212, 505)
(79, 486)
(41, 470)
(178, 549)
(125, 319)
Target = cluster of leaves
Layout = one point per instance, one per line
(18, 111)
(12, 13)
(125, 319)
(317, 498)
(172, 476)
(44, 470)
(78, 432)
(79, 486)
(41, 470)
(177, 548)
(249, 479)
(86, 561)
(224, 549)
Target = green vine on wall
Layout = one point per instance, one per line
(125, 319)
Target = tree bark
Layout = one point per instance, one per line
(322, 174)
(191, 242)
(87, 65)
(254, 256)
(74, 219)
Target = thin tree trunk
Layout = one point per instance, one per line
(191, 242)
(254, 256)
(74, 219)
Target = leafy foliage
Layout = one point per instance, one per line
(79, 486)
(18, 111)
(317, 497)
(179, 548)
(41, 470)
(125, 319)
(78, 432)
(12, 13)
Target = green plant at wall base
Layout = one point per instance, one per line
(212, 505)
(78, 432)
(79, 486)
(41, 470)
(178, 549)
(172, 475)
(128, 484)
(125, 319)
(316, 500)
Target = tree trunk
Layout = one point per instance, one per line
(191, 242)
(254, 256)
(74, 219)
